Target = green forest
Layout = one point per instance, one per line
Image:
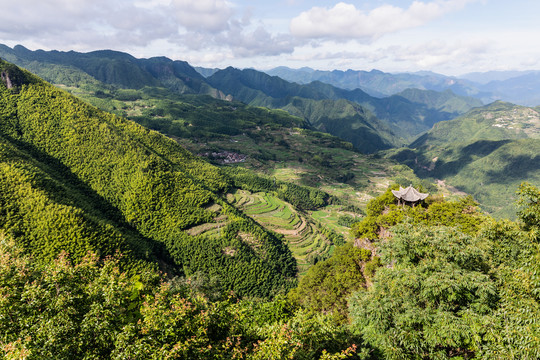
(118, 243)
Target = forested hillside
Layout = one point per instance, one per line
(439, 280)
(88, 180)
(496, 121)
(109, 67)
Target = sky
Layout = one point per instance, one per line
(451, 37)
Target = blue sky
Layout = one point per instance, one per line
(447, 36)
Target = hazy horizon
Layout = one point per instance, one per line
(450, 37)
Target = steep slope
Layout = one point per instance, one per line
(143, 190)
(177, 76)
(346, 120)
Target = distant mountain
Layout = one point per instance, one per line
(379, 84)
(396, 119)
(519, 87)
(76, 179)
(344, 80)
(523, 90)
(496, 121)
(489, 76)
(110, 67)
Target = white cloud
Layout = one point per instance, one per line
(202, 25)
(66, 23)
(229, 33)
(439, 53)
(530, 62)
(345, 21)
(256, 42)
(448, 56)
(366, 56)
(203, 15)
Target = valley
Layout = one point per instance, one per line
(164, 213)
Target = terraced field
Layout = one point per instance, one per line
(329, 217)
(306, 242)
(210, 229)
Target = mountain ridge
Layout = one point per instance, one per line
(135, 179)
(401, 118)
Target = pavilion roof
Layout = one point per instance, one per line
(409, 194)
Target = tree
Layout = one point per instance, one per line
(529, 214)
(328, 284)
(426, 302)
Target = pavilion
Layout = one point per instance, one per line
(409, 196)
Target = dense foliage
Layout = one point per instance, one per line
(327, 285)
(447, 294)
(383, 212)
(116, 185)
(427, 304)
(92, 310)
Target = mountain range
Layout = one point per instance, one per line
(148, 211)
(368, 122)
(351, 114)
(519, 87)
